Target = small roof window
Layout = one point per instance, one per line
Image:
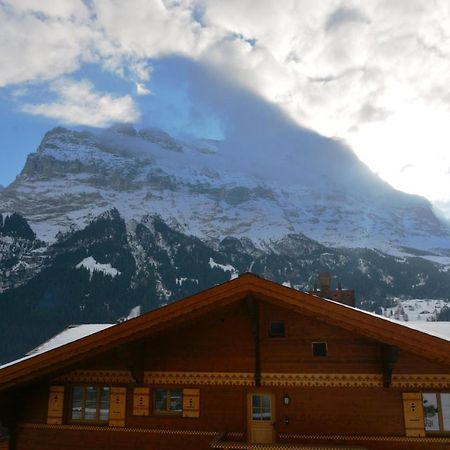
(319, 349)
(276, 328)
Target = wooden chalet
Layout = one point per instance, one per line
(248, 364)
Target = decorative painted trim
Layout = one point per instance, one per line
(201, 378)
(267, 379)
(218, 443)
(42, 426)
(322, 379)
(97, 376)
(319, 437)
(419, 381)
(435, 381)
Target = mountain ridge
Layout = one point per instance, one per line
(75, 175)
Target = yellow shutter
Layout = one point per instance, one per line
(413, 414)
(191, 402)
(117, 406)
(55, 405)
(141, 401)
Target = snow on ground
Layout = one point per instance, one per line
(226, 268)
(415, 309)
(134, 312)
(92, 265)
(180, 280)
(5, 215)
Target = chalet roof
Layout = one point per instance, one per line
(70, 334)
(430, 345)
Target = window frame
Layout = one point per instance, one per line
(99, 390)
(168, 395)
(439, 414)
(314, 344)
(277, 335)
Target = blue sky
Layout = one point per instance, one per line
(373, 74)
(170, 105)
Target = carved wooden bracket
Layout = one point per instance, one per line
(130, 357)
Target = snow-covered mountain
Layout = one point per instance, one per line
(281, 180)
(102, 223)
(111, 270)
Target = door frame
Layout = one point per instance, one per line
(253, 424)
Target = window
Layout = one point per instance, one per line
(276, 328)
(90, 403)
(436, 408)
(167, 401)
(261, 407)
(319, 348)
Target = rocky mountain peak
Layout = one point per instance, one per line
(214, 189)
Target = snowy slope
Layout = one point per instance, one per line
(214, 189)
(415, 310)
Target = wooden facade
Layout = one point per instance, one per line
(247, 364)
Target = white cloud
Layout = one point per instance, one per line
(142, 90)
(345, 68)
(34, 45)
(79, 104)
(65, 9)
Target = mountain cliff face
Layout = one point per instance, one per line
(215, 189)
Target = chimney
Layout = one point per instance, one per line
(344, 296)
(324, 281)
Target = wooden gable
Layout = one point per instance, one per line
(208, 306)
(215, 352)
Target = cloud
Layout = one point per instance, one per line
(79, 104)
(345, 68)
(43, 42)
(142, 90)
(63, 9)
(342, 16)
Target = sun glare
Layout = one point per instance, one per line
(410, 150)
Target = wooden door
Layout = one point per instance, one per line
(261, 417)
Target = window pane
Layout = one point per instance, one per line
(445, 403)
(261, 407)
(90, 404)
(160, 399)
(77, 397)
(431, 411)
(319, 348)
(176, 403)
(276, 328)
(104, 403)
(256, 401)
(256, 414)
(265, 407)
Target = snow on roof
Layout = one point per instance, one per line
(437, 329)
(74, 332)
(70, 334)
